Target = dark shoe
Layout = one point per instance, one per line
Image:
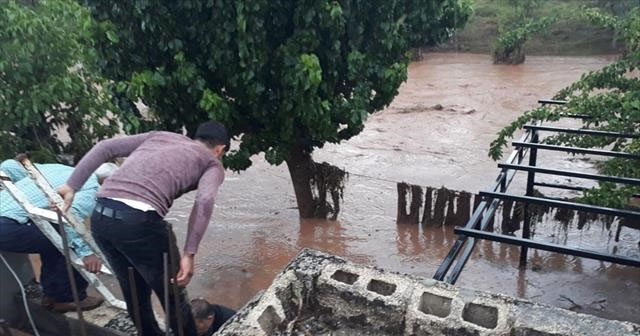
(88, 303)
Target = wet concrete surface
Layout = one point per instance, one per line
(255, 229)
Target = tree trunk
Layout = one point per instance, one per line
(300, 169)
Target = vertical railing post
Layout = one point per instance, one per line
(526, 229)
(503, 180)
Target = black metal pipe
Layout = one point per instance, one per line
(72, 278)
(551, 102)
(559, 186)
(502, 183)
(133, 288)
(526, 226)
(448, 260)
(587, 176)
(174, 265)
(486, 210)
(504, 179)
(567, 187)
(577, 150)
(455, 249)
(563, 204)
(576, 116)
(471, 243)
(548, 247)
(167, 305)
(581, 131)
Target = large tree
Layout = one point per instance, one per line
(610, 98)
(286, 77)
(47, 82)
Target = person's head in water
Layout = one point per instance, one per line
(213, 135)
(203, 314)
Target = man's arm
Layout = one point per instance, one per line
(99, 154)
(76, 243)
(82, 208)
(80, 247)
(102, 152)
(208, 186)
(202, 208)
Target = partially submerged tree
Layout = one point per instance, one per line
(515, 28)
(610, 97)
(47, 82)
(286, 77)
(509, 48)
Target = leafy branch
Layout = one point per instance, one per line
(610, 100)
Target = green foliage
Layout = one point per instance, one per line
(523, 9)
(47, 80)
(508, 48)
(431, 22)
(611, 98)
(627, 27)
(614, 7)
(515, 27)
(284, 76)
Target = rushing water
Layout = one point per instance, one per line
(255, 229)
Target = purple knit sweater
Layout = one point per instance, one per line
(160, 167)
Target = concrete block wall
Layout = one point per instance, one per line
(327, 295)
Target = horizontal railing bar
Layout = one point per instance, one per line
(559, 186)
(551, 102)
(548, 247)
(562, 186)
(576, 150)
(563, 204)
(597, 177)
(581, 131)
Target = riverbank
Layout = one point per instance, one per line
(565, 37)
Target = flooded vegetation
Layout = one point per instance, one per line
(435, 133)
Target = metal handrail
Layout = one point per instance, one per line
(583, 131)
(577, 150)
(548, 247)
(569, 173)
(485, 211)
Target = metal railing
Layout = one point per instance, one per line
(476, 227)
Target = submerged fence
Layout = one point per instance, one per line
(437, 207)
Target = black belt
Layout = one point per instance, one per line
(124, 214)
(108, 212)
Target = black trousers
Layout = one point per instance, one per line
(137, 239)
(27, 238)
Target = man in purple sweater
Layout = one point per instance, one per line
(127, 223)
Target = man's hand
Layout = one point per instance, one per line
(67, 195)
(186, 270)
(92, 263)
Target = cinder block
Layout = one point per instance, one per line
(319, 294)
(364, 296)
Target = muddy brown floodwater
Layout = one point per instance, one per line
(255, 229)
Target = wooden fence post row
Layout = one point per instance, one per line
(446, 207)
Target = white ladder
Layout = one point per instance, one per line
(42, 219)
